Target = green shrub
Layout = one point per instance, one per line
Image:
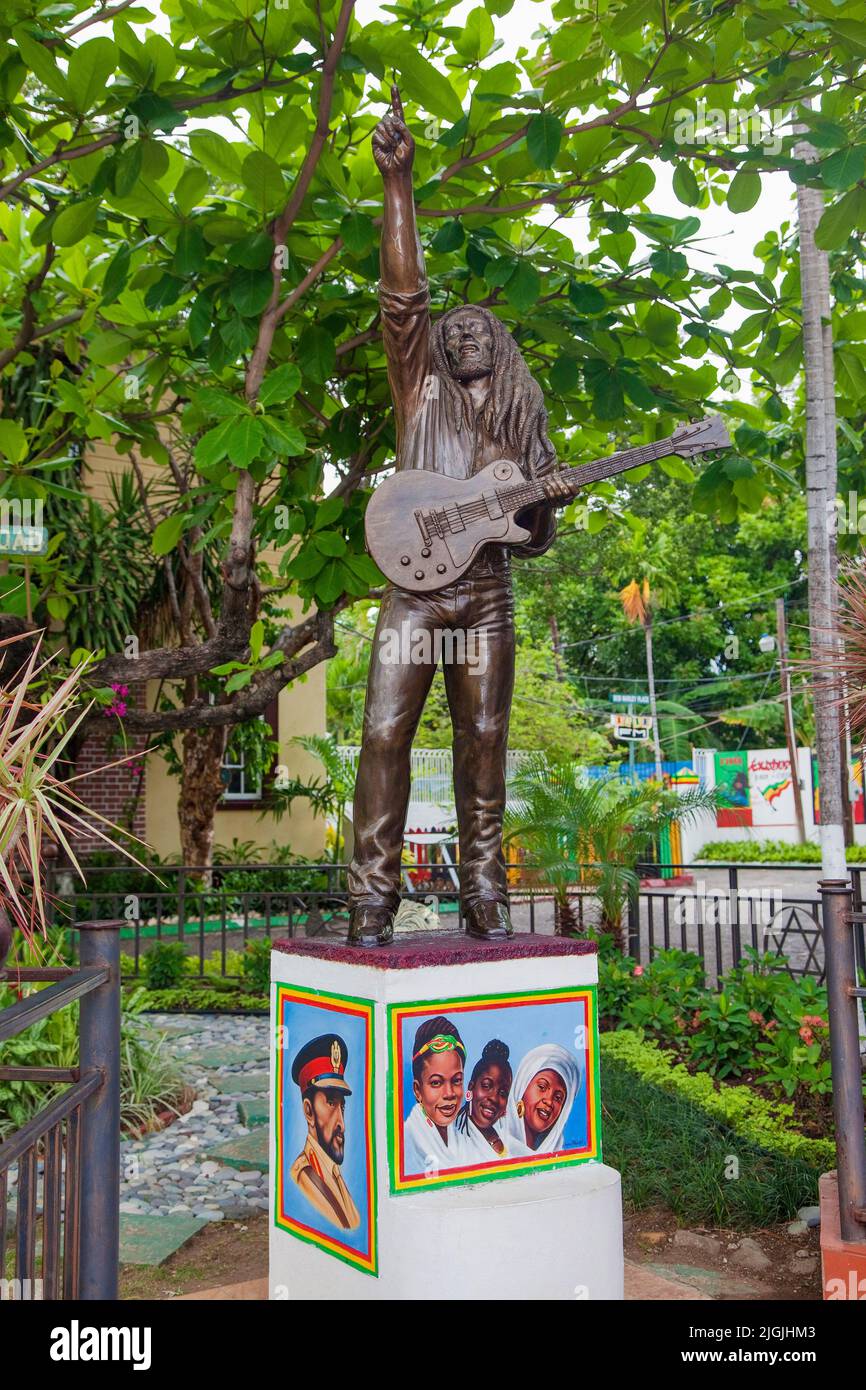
(257, 965)
(202, 999)
(727, 1036)
(771, 852)
(164, 965)
(671, 1152)
(768, 1124)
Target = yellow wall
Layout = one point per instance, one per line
(301, 711)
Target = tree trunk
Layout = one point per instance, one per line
(821, 499)
(565, 918)
(651, 682)
(201, 788)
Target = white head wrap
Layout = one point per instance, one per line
(548, 1057)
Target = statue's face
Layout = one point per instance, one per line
(469, 345)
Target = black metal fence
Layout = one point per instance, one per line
(65, 1162)
(213, 912)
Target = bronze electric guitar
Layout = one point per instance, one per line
(424, 529)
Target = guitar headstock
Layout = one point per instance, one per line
(697, 438)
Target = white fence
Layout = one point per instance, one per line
(432, 772)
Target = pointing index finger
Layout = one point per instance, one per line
(396, 103)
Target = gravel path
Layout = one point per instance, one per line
(170, 1172)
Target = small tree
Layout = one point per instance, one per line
(595, 832)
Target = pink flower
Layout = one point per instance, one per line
(122, 690)
(807, 1035)
(638, 970)
(755, 1017)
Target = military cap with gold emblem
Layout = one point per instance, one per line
(322, 1062)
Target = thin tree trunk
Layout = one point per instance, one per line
(5, 934)
(201, 788)
(820, 498)
(651, 682)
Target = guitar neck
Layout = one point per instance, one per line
(525, 495)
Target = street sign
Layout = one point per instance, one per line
(633, 728)
(619, 699)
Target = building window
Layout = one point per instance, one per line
(243, 783)
(239, 786)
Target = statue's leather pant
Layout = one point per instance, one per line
(479, 689)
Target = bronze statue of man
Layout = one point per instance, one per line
(463, 397)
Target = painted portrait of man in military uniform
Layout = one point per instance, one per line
(318, 1071)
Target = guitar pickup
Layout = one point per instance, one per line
(493, 504)
(454, 519)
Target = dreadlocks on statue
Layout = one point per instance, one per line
(514, 413)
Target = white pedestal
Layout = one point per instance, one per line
(532, 1224)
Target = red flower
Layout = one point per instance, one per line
(638, 970)
(807, 1035)
(756, 1018)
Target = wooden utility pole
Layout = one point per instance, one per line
(787, 705)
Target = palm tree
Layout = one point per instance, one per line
(327, 796)
(594, 832)
(638, 599)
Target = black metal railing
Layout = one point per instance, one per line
(213, 911)
(67, 1156)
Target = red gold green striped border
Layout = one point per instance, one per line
(498, 1168)
(367, 1260)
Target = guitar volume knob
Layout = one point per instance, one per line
(425, 554)
(404, 559)
(440, 569)
(419, 574)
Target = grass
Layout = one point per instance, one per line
(672, 1154)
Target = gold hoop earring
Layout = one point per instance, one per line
(521, 1110)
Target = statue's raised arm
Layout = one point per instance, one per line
(402, 260)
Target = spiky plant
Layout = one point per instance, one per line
(327, 796)
(595, 832)
(37, 808)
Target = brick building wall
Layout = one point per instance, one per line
(110, 791)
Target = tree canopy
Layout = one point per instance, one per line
(189, 260)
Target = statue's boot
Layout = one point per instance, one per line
(370, 926)
(488, 921)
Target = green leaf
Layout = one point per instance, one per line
(190, 187)
(245, 438)
(523, 287)
(563, 375)
(358, 232)
(250, 290)
(200, 315)
(474, 39)
(420, 81)
(280, 384)
(214, 445)
(543, 139)
(263, 179)
(257, 637)
(677, 468)
(116, 275)
(41, 62)
(844, 168)
(660, 326)
(744, 190)
(74, 222)
(216, 154)
(330, 543)
(327, 512)
(127, 168)
(450, 236)
(168, 533)
(685, 185)
(316, 354)
(252, 252)
(286, 440)
(330, 583)
(839, 220)
(90, 66)
(190, 251)
(633, 185)
(13, 441)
